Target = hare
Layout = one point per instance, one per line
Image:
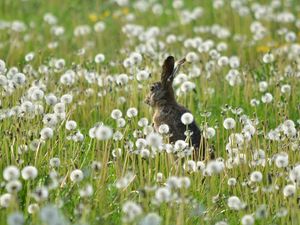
(167, 111)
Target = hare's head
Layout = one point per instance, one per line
(162, 92)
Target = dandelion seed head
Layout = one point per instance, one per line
(187, 118)
(248, 220)
(29, 173)
(76, 176)
(256, 176)
(11, 173)
(229, 123)
(289, 190)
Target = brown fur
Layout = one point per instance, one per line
(167, 111)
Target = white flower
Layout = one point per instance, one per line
(71, 125)
(145, 153)
(229, 123)
(11, 173)
(13, 186)
(55, 162)
(143, 122)
(29, 173)
(256, 176)
(231, 181)
(122, 79)
(117, 136)
(121, 122)
(19, 78)
(159, 177)
(286, 89)
(66, 98)
(187, 86)
(136, 57)
(96, 165)
(215, 167)
(267, 98)
(234, 62)
(187, 118)
(209, 132)
(190, 166)
(142, 75)
(192, 57)
(87, 191)
(33, 208)
(99, 26)
(282, 160)
(59, 108)
(154, 140)
(263, 86)
(132, 112)
(254, 102)
(223, 61)
(5, 200)
(268, 58)
(103, 133)
(116, 114)
(151, 219)
(248, 220)
(51, 99)
(76, 176)
(289, 190)
(46, 133)
(36, 94)
(15, 218)
(131, 210)
(235, 203)
(163, 194)
(163, 129)
(40, 194)
(200, 165)
(99, 58)
(180, 145)
(29, 57)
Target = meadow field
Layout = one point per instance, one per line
(76, 137)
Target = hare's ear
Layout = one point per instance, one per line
(167, 70)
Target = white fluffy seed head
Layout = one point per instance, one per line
(103, 133)
(267, 98)
(116, 114)
(132, 112)
(235, 203)
(71, 125)
(163, 129)
(187, 118)
(248, 220)
(154, 140)
(256, 176)
(11, 173)
(231, 181)
(209, 132)
(289, 190)
(229, 123)
(46, 133)
(76, 176)
(192, 57)
(5, 200)
(29, 173)
(99, 58)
